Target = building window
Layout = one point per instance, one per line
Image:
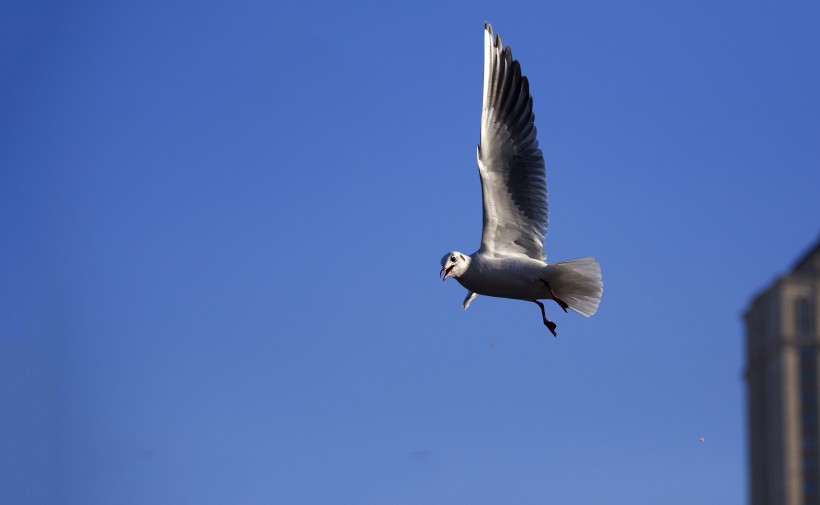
(804, 317)
(807, 363)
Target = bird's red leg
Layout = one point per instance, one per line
(559, 301)
(549, 324)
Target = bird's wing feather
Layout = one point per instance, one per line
(513, 178)
(469, 299)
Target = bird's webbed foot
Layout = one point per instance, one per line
(549, 324)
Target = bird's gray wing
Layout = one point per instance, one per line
(513, 178)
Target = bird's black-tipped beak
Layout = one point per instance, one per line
(446, 272)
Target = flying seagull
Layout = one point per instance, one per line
(511, 262)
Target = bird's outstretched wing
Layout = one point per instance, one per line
(513, 178)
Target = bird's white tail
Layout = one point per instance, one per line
(578, 282)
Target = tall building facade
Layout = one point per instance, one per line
(783, 387)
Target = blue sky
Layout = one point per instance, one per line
(222, 224)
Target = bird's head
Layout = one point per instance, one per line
(453, 264)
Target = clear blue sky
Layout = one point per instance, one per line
(221, 225)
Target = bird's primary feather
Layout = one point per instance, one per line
(511, 166)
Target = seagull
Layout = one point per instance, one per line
(511, 262)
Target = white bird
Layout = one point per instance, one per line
(511, 262)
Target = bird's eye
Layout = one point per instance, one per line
(453, 259)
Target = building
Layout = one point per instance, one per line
(783, 387)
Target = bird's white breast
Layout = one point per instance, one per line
(510, 277)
